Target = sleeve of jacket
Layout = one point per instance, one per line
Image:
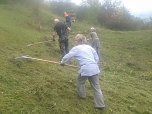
(68, 56)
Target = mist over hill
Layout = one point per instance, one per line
(143, 15)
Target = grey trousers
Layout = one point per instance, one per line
(95, 85)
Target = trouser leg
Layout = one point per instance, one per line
(62, 48)
(97, 93)
(66, 46)
(80, 86)
(68, 24)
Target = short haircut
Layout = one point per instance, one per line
(56, 20)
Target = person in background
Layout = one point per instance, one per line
(94, 40)
(87, 59)
(61, 29)
(67, 19)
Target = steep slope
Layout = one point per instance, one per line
(37, 87)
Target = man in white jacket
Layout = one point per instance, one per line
(87, 59)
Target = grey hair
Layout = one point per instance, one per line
(81, 38)
(56, 21)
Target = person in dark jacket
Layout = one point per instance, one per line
(67, 19)
(61, 29)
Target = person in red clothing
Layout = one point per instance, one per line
(67, 19)
(65, 14)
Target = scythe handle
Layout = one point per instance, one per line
(48, 61)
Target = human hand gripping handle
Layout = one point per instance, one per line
(62, 64)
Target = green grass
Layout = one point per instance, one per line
(34, 87)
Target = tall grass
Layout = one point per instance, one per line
(36, 87)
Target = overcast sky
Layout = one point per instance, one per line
(134, 6)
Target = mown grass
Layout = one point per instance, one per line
(36, 87)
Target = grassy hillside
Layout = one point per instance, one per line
(34, 87)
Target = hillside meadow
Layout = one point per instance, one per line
(34, 87)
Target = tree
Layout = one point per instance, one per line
(115, 16)
(89, 10)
